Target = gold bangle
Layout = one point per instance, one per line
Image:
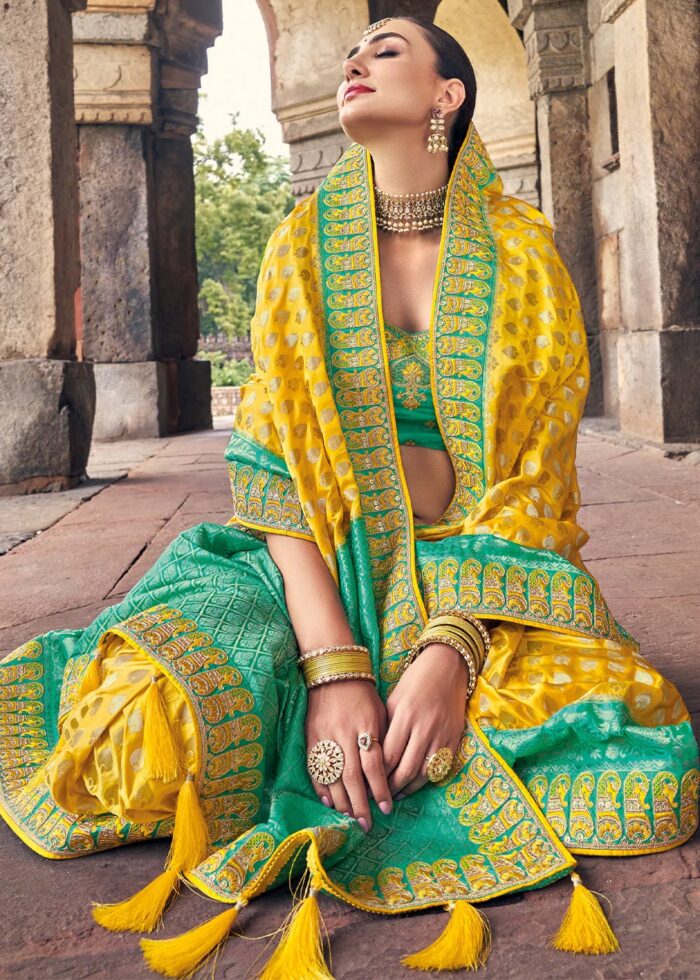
(341, 676)
(318, 651)
(342, 662)
(468, 655)
(472, 640)
(473, 620)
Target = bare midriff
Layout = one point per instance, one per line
(430, 480)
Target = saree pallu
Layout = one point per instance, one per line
(573, 743)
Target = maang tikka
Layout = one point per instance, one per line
(437, 141)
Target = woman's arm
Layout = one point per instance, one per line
(339, 710)
(311, 594)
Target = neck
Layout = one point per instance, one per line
(401, 167)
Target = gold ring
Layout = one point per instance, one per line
(325, 761)
(439, 764)
(365, 739)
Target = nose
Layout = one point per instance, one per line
(353, 69)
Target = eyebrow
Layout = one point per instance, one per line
(375, 40)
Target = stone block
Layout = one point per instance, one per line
(608, 357)
(131, 400)
(680, 383)
(47, 408)
(638, 372)
(193, 395)
(608, 264)
(39, 251)
(174, 258)
(114, 236)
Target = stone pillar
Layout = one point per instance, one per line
(657, 54)
(47, 397)
(138, 69)
(555, 33)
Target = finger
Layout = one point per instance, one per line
(394, 744)
(372, 761)
(354, 782)
(322, 792)
(422, 778)
(410, 762)
(340, 798)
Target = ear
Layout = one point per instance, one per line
(453, 95)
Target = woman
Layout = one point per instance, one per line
(403, 474)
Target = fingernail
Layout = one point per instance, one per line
(325, 801)
(399, 796)
(385, 806)
(363, 823)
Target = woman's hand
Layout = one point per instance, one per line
(426, 711)
(340, 710)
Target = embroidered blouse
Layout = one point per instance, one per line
(409, 367)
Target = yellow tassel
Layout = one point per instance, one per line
(161, 756)
(584, 928)
(92, 678)
(464, 943)
(182, 955)
(190, 843)
(299, 953)
(143, 911)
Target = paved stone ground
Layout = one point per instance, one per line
(642, 511)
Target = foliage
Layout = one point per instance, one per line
(241, 193)
(226, 372)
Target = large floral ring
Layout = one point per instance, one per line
(365, 739)
(439, 764)
(325, 761)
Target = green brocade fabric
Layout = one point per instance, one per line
(214, 601)
(409, 370)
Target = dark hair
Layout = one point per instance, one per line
(451, 61)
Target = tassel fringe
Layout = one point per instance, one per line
(299, 953)
(190, 842)
(143, 911)
(584, 928)
(161, 753)
(182, 955)
(464, 943)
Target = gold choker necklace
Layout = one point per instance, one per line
(410, 212)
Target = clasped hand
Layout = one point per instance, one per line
(423, 713)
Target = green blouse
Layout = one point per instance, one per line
(409, 367)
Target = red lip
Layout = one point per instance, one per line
(356, 88)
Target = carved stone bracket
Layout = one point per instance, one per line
(140, 62)
(555, 34)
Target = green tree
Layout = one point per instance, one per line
(241, 194)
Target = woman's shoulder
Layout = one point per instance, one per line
(514, 211)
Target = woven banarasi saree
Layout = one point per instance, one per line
(179, 711)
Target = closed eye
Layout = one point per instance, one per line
(383, 53)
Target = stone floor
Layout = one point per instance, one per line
(642, 510)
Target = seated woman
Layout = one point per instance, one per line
(392, 660)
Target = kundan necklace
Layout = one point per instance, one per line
(410, 212)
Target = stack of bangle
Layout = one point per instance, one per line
(464, 632)
(342, 662)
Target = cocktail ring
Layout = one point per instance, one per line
(439, 764)
(325, 761)
(365, 739)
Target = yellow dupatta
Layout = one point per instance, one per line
(314, 451)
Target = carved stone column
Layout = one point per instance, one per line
(138, 68)
(555, 33)
(47, 397)
(657, 53)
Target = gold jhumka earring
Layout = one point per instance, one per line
(437, 141)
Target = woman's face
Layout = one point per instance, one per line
(401, 78)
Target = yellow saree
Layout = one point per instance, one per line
(181, 709)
